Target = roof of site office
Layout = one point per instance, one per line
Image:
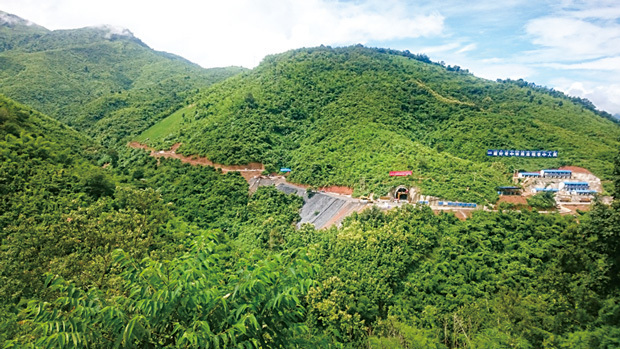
(558, 171)
(576, 183)
(586, 191)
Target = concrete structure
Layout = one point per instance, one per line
(323, 209)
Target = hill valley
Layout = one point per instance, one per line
(103, 245)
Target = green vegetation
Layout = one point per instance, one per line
(347, 116)
(169, 126)
(62, 215)
(60, 212)
(181, 303)
(201, 195)
(164, 254)
(109, 247)
(542, 200)
(111, 86)
(401, 279)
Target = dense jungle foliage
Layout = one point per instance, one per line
(65, 217)
(108, 84)
(107, 247)
(347, 116)
(144, 253)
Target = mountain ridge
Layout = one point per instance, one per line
(97, 79)
(347, 116)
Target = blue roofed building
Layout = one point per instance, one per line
(528, 174)
(584, 192)
(572, 186)
(556, 173)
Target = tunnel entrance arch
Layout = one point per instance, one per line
(401, 193)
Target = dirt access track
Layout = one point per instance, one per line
(327, 207)
(248, 171)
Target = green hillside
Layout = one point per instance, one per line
(47, 170)
(347, 116)
(66, 221)
(15, 31)
(99, 80)
(91, 257)
(110, 247)
(17, 120)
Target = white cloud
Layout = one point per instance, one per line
(581, 40)
(238, 32)
(440, 49)
(610, 12)
(604, 96)
(493, 60)
(467, 48)
(609, 64)
(575, 38)
(114, 30)
(8, 19)
(591, 9)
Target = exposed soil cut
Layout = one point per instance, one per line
(573, 209)
(513, 199)
(336, 189)
(575, 169)
(248, 171)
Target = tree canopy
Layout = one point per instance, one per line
(347, 116)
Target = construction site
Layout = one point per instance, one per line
(574, 188)
(571, 185)
(326, 207)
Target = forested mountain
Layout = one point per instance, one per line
(104, 246)
(17, 119)
(15, 30)
(68, 224)
(148, 253)
(101, 80)
(347, 116)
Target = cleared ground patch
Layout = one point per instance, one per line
(167, 126)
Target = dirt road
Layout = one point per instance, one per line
(248, 171)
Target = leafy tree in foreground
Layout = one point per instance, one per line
(189, 302)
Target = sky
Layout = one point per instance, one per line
(571, 46)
